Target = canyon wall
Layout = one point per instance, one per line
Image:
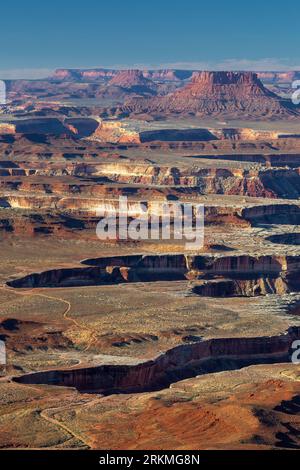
(234, 275)
(169, 366)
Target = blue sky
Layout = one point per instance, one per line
(37, 36)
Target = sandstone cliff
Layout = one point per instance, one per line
(217, 93)
(133, 80)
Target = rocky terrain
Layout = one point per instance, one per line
(133, 80)
(99, 74)
(153, 94)
(218, 93)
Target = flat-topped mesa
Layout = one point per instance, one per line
(133, 80)
(172, 365)
(214, 93)
(279, 77)
(226, 85)
(7, 128)
(81, 74)
(65, 74)
(168, 74)
(218, 276)
(119, 132)
(102, 73)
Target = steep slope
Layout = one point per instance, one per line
(218, 93)
(133, 80)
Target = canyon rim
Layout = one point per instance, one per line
(150, 233)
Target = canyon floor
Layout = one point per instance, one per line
(145, 344)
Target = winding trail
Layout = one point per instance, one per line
(58, 424)
(65, 313)
(44, 414)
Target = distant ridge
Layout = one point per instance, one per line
(217, 93)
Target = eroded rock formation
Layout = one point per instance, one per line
(217, 93)
(133, 80)
(220, 276)
(178, 363)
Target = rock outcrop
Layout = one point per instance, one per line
(102, 73)
(279, 77)
(134, 81)
(115, 132)
(175, 364)
(82, 74)
(217, 93)
(7, 128)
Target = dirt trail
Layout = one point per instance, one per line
(57, 423)
(44, 415)
(65, 313)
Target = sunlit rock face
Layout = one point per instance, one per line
(217, 93)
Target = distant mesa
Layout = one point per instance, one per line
(274, 77)
(102, 73)
(217, 93)
(82, 74)
(130, 131)
(123, 132)
(279, 77)
(71, 127)
(7, 128)
(133, 80)
(103, 83)
(156, 94)
(168, 74)
(66, 74)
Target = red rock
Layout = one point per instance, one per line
(133, 79)
(217, 93)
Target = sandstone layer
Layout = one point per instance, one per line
(218, 93)
(110, 342)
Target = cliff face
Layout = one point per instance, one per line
(225, 86)
(115, 132)
(175, 364)
(272, 214)
(133, 80)
(168, 74)
(6, 128)
(106, 132)
(101, 73)
(82, 74)
(218, 276)
(279, 77)
(44, 126)
(161, 75)
(241, 287)
(214, 93)
(245, 134)
(123, 132)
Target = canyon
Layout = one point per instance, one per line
(110, 342)
(154, 94)
(217, 93)
(181, 362)
(213, 275)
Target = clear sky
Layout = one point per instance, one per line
(187, 33)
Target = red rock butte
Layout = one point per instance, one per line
(131, 78)
(225, 85)
(147, 342)
(213, 93)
